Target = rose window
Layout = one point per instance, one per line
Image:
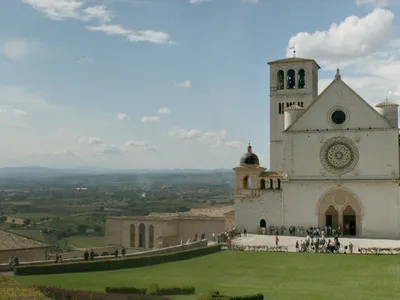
(339, 155)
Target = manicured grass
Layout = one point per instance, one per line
(86, 241)
(279, 276)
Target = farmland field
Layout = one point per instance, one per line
(279, 276)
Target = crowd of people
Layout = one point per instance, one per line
(328, 231)
(320, 244)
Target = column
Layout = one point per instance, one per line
(341, 219)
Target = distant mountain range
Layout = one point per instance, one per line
(40, 172)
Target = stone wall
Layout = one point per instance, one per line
(4, 266)
(23, 255)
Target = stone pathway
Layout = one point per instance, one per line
(290, 241)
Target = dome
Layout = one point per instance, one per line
(249, 158)
(386, 103)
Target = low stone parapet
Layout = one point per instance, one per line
(259, 248)
(172, 249)
(375, 250)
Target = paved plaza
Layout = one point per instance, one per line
(290, 241)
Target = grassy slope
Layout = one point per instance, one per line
(277, 275)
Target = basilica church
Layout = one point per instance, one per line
(334, 159)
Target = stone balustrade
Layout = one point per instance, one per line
(172, 249)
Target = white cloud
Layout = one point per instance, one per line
(198, 1)
(15, 48)
(19, 112)
(91, 141)
(251, 1)
(185, 84)
(122, 116)
(235, 144)
(155, 37)
(98, 12)
(355, 37)
(74, 9)
(86, 59)
(140, 145)
(378, 3)
(57, 9)
(164, 110)
(70, 9)
(109, 150)
(150, 119)
(212, 138)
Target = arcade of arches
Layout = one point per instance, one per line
(340, 207)
(143, 235)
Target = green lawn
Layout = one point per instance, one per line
(279, 276)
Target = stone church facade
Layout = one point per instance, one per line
(334, 159)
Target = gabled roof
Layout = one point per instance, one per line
(12, 241)
(337, 78)
(293, 60)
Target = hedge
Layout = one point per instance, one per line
(63, 294)
(249, 297)
(114, 264)
(215, 295)
(189, 290)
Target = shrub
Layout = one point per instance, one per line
(10, 289)
(249, 297)
(152, 289)
(63, 294)
(215, 295)
(125, 290)
(188, 290)
(160, 291)
(114, 264)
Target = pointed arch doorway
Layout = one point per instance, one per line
(340, 207)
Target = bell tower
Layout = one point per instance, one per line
(293, 81)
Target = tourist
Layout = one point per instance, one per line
(276, 241)
(16, 261)
(351, 247)
(297, 246)
(57, 258)
(123, 251)
(245, 231)
(116, 253)
(11, 262)
(60, 259)
(91, 254)
(86, 255)
(213, 237)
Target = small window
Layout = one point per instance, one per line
(291, 81)
(338, 117)
(280, 83)
(301, 78)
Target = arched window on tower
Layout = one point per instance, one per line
(280, 80)
(291, 79)
(246, 182)
(250, 183)
(279, 184)
(302, 79)
(262, 184)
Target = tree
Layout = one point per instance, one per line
(27, 221)
(3, 219)
(82, 228)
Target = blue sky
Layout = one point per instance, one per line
(171, 83)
